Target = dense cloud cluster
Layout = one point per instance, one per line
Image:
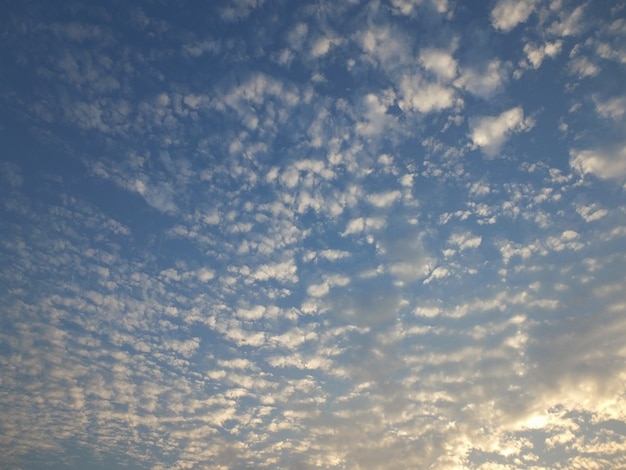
(356, 234)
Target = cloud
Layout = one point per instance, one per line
(583, 66)
(465, 241)
(536, 54)
(491, 132)
(160, 197)
(285, 271)
(410, 7)
(591, 213)
(236, 10)
(484, 81)
(613, 108)
(322, 45)
(361, 224)
(327, 280)
(376, 117)
(604, 163)
(384, 199)
(440, 62)
(385, 46)
(569, 23)
(507, 14)
(424, 97)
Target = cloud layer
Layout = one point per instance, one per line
(336, 235)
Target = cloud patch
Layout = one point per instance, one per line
(507, 14)
(489, 133)
(603, 163)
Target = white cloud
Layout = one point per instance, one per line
(583, 66)
(159, 195)
(376, 117)
(489, 133)
(290, 177)
(536, 55)
(254, 313)
(384, 199)
(282, 272)
(507, 14)
(568, 24)
(605, 164)
(613, 108)
(333, 255)
(428, 312)
(385, 45)
(439, 272)
(205, 274)
(410, 7)
(439, 62)
(406, 7)
(321, 46)
(425, 97)
(236, 10)
(591, 212)
(318, 290)
(484, 81)
(465, 241)
(361, 224)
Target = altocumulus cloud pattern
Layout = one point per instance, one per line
(313, 234)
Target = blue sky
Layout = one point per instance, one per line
(345, 235)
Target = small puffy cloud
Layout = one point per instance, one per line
(438, 273)
(361, 224)
(237, 10)
(376, 117)
(507, 14)
(170, 274)
(283, 272)
(428, 312)
(333, 255)
(613, 108)
(568, 240)
(583, 67)
(440, 62)
(290, 177)
(424, 97)
(484, 81)
(569, 235)
(384, 199)
(535, 55)
(385, 46)
(328, 254)
(479, 189)
(591, 212)
(254, 313)
(409, 7)
(205, 275)
(490, 132)
(465, 241)
(318, 290)
(568, 24)
(406, 7)
(321, 46)
(605, 164)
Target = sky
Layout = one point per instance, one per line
(350, 234)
